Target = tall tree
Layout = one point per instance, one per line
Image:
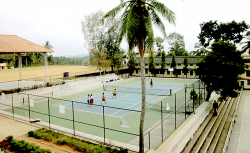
(200, 50)
(212, 31)
(163, 61)
(49, 46)
(221, 68)
(136, 23)
(177, 44)
(131, 61)
(185, 68)
(173, 64)
(101, 39)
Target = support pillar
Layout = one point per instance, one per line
(20, 66)
(46, 67)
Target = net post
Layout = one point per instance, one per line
(73, 114)
(103, 108)
(170, 91)
(149, 140)
(161, 123)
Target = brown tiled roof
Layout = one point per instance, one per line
(10, 44)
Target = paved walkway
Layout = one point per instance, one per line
(239, 140)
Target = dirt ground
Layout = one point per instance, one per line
(33, 72)
(9, 127)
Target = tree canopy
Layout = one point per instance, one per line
(177, 44)
(213, 31)
(221, 68)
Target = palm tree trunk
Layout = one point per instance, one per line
(143, 104)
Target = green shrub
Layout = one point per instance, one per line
(31, 133)
(38, 135)
(9, 138)
(103, 149)
(47, 137)
(193, 95)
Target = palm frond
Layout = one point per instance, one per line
(163, 10)
(158, 22)
(112, 13)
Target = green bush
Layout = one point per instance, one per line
(31, 133)
(9, 138)
(193, 95)
(38, 135)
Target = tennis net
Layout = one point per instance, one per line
(137, 90)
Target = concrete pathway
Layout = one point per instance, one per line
(240, 137)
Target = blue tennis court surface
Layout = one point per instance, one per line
(125, 99)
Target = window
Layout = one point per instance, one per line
(168, 72)
(168, 64)
(179, 64)
(136, 71)
(146, 64)
(248, 82)
(157, 64)
(146, 71)
(191, 64)
(248, 73)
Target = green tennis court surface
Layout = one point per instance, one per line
(126, 105)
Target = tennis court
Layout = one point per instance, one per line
(105, 119)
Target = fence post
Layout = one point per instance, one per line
(185, 102)
(73, 117)
(149, 140)
(199, 94)
(103, 124)
(204, 90)
(175, 111)
(29, 105)
(161, 124)
(193, 97)
(13, 107)
(49, 112)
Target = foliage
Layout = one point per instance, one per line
(163, 62)
(247, 43)
(159, 41)
(136, 23)
(102, 42)
(213, 31)
(173, 64)
(21, 146)
(177, 44)
(193, 95)
(62, 60)
(185, 68)
(200, 50)
(151, 61)
(131, 61)
(221, 68)
(79, 145)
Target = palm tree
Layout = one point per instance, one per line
(136, 23)
(247, 44)
(48, 45)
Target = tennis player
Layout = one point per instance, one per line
(151, 83)
(88, 98)
(103, 98)
(91, 100)
(114, 93)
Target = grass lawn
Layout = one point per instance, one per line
(33, 72)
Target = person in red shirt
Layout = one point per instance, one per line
(103, 98)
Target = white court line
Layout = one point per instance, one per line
(242, 124)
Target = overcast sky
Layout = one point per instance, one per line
(59, 21)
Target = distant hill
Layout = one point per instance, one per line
(75, 56)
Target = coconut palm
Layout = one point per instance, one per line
(247, 44)
(48, 45)
(136, 24)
